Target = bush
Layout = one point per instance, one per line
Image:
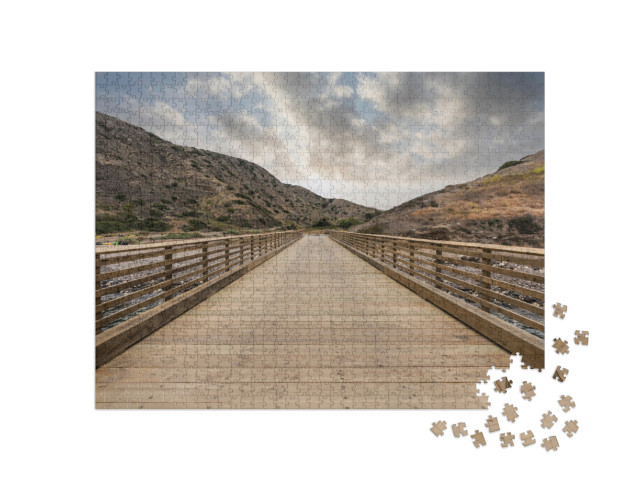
(494, 222)
(194, 225)
(324, 222)
(525, 224)
(109, 226)
(433, 203)
(153, 225)
(511, 163)
(120, 197)
(348, 222)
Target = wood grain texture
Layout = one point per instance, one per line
(312, 327)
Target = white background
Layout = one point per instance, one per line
(50, 53)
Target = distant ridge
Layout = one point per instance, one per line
(506, 207)
(145, 183)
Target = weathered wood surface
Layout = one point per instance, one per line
(485, 274)
(312, 327)
(512, 338)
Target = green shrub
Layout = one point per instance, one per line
(525, 224)
(511, 163)
(120, 197)
(348, 222)
(194, 225)
(323, 222)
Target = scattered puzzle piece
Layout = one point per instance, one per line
(550, 443)
(548, 420)
(478, 439)
(559, 310)
(561, 347)
(560, 374)
(492, 424)
(527, 438)
(438, 428)
(567, 403)
(570, 427)
(502, 385)
(483, 399)
(528, 390)
(511, 412)
(507, 439)
(459, 429)
(582, 337)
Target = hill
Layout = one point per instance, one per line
(144, 183)
(506, 207)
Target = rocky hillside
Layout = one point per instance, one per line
(144, 183)
(506, 207)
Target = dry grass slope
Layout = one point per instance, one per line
(506, 207)
(144, 183)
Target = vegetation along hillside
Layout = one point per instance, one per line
(144, 183)
(506, 207)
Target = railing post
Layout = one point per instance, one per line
(412, 260)
(395, 262)
(242, 250)
(205, 255)
(98, 287)
(438, 270)
(226, 254)
(168, 255)
(486, 285)
(252, 247)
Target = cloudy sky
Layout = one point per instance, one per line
(378, 139)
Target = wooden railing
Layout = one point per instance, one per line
(132, 278)
(498, 288)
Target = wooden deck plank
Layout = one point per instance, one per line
(313, 327)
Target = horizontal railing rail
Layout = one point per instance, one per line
(133, 279)
(504, 282)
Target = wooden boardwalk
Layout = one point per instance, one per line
(312, 327)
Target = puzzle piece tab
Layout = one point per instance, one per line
(511, 412)
(570, 427)
(527, 438)
(567, 403)
(478, 439)
(560, 374)
(528, 390)
(459, 429)
(492, 424)
(561, 347)
(502, 385)
(582, 337)
(548, 420)
(559, 310)
(506, 439)
(438, 428)
(550, 443)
